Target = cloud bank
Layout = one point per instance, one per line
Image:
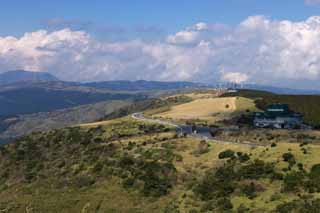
(257, 50)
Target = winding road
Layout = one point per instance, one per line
(202, 132)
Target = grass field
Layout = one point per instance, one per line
(209, 109)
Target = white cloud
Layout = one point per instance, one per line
(258, 50)
(183, 37)
(235, 77)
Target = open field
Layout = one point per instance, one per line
(209, 109)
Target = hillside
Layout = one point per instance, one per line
(44, 96)
(25, 124)
(210, 109)
(308, 105)
(97, 168)
(43, 99)
(25, 76)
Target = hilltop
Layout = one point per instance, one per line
(97, 167)
(25, 76)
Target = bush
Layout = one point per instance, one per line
(249, 190)
(257, 169)
(225, 204)
(315, 171)
(289, 157)
(216, 183)
(226, 154)
(157, 178)
(243, 209)
(97, 167)
(84, 181)
(244, 158)
(293, 181)
(300, 206)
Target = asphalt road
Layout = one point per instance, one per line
(202, 132)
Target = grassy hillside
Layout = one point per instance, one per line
(208, 109)
(305, 104)
(25, 124)
(130, 166)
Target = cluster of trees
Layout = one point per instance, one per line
(217, 186)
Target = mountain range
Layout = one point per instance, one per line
(36, 101)
(19, 76)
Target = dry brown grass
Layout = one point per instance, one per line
(208, 109)
(204, 109)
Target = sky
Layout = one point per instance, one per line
(274, 42)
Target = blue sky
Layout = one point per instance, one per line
(19, 16)
(270, 42)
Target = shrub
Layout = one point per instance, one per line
(315, 171)
(299, 206)
(226, 154)
(289, 157)
(84, 181)
(216, 183)
(244, 158)
(300, 166)
(157, 178)
(208, 206)
(293, 181)
(249, 190)
(304, 144)
(224, 204)
(243, 209)
(257, 169)
(97, 167)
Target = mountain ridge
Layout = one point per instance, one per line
(16, 76)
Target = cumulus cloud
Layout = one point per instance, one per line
(235, 77)
(257, 50)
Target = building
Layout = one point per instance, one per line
(278, 116)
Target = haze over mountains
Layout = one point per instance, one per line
(25, 76)
(24, 92)
(34, 101)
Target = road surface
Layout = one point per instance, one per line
(202, 132)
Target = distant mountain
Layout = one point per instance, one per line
(25, 76)
(144, 85)
(42, 92)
